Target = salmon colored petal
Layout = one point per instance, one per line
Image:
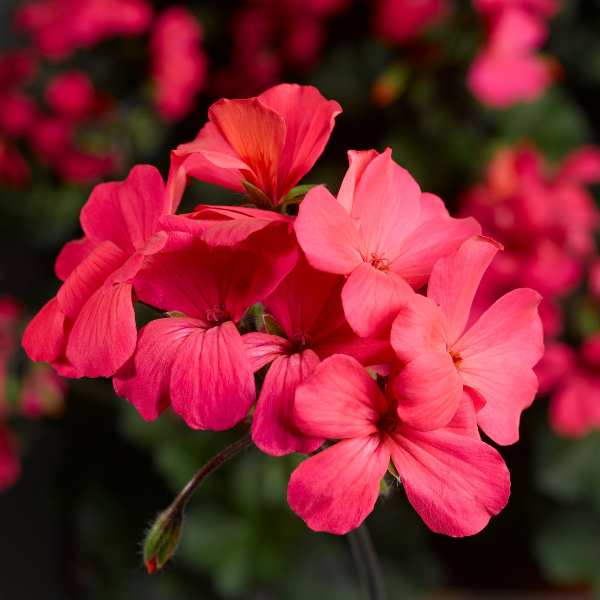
(359, 161)
(508, 386)
(104, 335)
(309, 120)
(336, 489)
(212, 385)
(257, 135)
(125, 212)
(88, 277)
(340, 400)
(510, 327)
(263, 348)
(144, 379)
(327, 234)
(455, 278)
(419, 328)
(372, 300)
(436, 234)
(72, 254)
(428, 390)
(455, 483)
(464, 421)
(387, 201)
(274, 428)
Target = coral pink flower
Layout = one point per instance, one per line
(493, 359)
(197, 361)
(507, 71)
(60, 26)
(307, 306)
(453, 480)
(270, 141)
(71, 95)
(380, 232)
(401, 21)
(178, 63)
(89, 328)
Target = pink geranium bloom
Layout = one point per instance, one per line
(270, 141)
(178, 63)
(507, 71)
(492, 360)
(197, 360)
(18, 112)
(401, 21)
(17, 66)
(71, 95)
(454, 481)
(307, 305)
(89, 328)
(382, 233)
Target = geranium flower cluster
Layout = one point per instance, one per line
(546, 219)
(336, 286)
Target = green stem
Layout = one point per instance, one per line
(365, 557)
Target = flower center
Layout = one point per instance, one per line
(217, 315)
(456, 358)
(300, 340)
(379, 262)
(390, 421)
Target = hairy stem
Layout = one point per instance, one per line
(369, 571)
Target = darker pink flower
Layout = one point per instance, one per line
(178, 63)
(453, 480)
(307, 307)
(71, 95)
(10, 465)
(270, 141)
(196, 359)
(492, 360)
(14, 168)
(382, 233)
(89, 328)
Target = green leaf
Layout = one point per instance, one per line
(257, 196)
(176, 313)
(273, 327)
(300, 191)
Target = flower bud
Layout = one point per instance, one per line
(162, 539)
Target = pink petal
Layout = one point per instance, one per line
(511, 327)
(428, 390)
(336, 489)
(387, 201)
(436, 234)
(126, 212)
(104, 335)
(144, 379)
(212, 385)
(455, 483)
(44, 336)
(88, 277)
(309, 120)
(72, 254)
(582, 165)
(340, 400)
(372, 299)
(454, 280)
(464, 421)
(257, 135)
(419, 328)
(327, 234)
(359, 161)
(559, 360)
(263, 348)
(508, 385)
(274, 429)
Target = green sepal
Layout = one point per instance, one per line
(300, 191)
(383, 487)
(176, 313)
(273, 327)
(162, 539)
(393, 471)
(257, 196)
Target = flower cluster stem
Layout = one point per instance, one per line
(365, 557)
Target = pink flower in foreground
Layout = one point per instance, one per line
(454, 481)
(492, 361)
(270, 141)
(382, 233)
(178, 63)
(307, 306)
(400, 21)
(89, 327)
(197, 360)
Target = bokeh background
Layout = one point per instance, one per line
(92, 87)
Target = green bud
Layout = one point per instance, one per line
(273, 327)
(163, 538)
(257, 196)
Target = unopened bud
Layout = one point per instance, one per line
(163, 539)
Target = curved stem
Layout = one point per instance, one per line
(365, 557)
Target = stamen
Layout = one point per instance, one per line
(216, 315)
(300, 340)
(390, 421)
(456, 358)
(380, 263)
